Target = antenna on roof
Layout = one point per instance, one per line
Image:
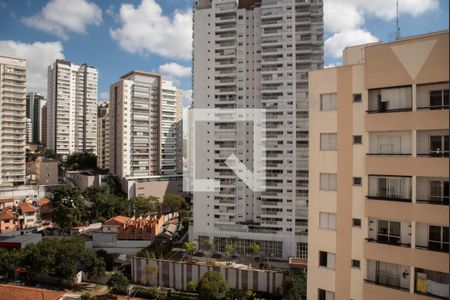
(397, 33)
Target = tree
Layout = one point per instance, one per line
(119, 283)
(295, 284)
(190, 248)
(107, 258)
(62, 259)
(143, 206)
(104, 204)
(81, 161)
(213, 286)
(253, 250)
(229, 250)
(10, 260)
(49, 153)
(174, 203)
(192, 286)
(69, 207)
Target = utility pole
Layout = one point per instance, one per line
(397, 33)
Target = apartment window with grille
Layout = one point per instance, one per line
(357, 139)
(328, 101)
(356, 264)
(357, 98)
(328, 181)
(356, 222)
(328, 141)
(327, 221)
(302, 250)
(325, 295)
(327, 259)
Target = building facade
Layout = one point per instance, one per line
(255, 55)
(145, 119)
(72, 108)
(13, 120)
(103, 136)
(35, 112)
(379, 196)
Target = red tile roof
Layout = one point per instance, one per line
(117, 220)
(43, 202)
(8, 292)
(6, 215)
(26, 207)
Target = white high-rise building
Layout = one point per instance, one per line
(72, 108)
(103, 136)
(12, 120)
(255, 54)
(145, 126)
(35, 111)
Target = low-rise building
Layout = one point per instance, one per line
(46, 171)
(156, 186)
(19, 240)
(135, 228)
(27, 215)
(8, 221)
(85, 179)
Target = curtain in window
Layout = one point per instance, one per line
(388, 274)
(397, 97)
(389, 144)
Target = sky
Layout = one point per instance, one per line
(117, 36)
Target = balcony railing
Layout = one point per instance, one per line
(389, 240)
(435, 153)
(387, 110)
(435, 200)
(388, 198)
(433, 107)
(389, 154)
(377, 282)
(439, 247)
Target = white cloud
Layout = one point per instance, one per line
(59, 17)
(146, 30)
(39, 56)
(335, 44)
(175, 70)
(344, 19)
(187, 98)
(104, 97)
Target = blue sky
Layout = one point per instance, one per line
(154, 35)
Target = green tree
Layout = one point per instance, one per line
(190, 248)
(192, 286)
(69, 207)
(253, 250)
(62, 259)
(107, 258)
(10, 260)
(295, 284)
(119, 283)
(81, 161)
(174, 203)
(142, 206)
(151, 273)
(213, 286)
(49, 153)
(229, 250)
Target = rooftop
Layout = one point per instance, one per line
(27, 208)
(28, 293)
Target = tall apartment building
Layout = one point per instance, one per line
(255, 54)
(103, 136)
(379, 186)
(13, 120)
(44, 125)
(35, 111)
(145, 126)
(72, 108)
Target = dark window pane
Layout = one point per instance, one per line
(322, 258)
(395, 228)
(435, 98)
(445, 234)
(435, 143)
(322, 295)
(445, 97)
(434, 233)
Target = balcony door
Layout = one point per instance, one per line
(438, 238)
(389, 187)
(439, 191)
(389, 144)
(388, 232)
(439, 145)
(388, 274)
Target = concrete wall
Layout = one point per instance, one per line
(177, 274)
(152, 188)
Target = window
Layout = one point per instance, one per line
(302, 250)
(390, 188)
(389, 144)
(356, 263)
(327, 182)
(388, 232)
(325, 295)
(357, 139)
(327, 259)
(438, 238)
(390, 99)
(439, 145)
(357, 98)
(327, 221)
(357, 181)
(439, 191)
(328, 141)
(356, 222)
(328, 101)
(438, 99)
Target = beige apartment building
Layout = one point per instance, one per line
(379, 195)
(145, 126)
(103, 136)
(13, 120)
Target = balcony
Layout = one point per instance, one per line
(388, 275)
(389, 188)
(432, 143)
(431, 283)
(432, 97)
(390, 100)
(432, 190)
(395, 143)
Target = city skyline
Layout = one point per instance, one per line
(112, 28)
